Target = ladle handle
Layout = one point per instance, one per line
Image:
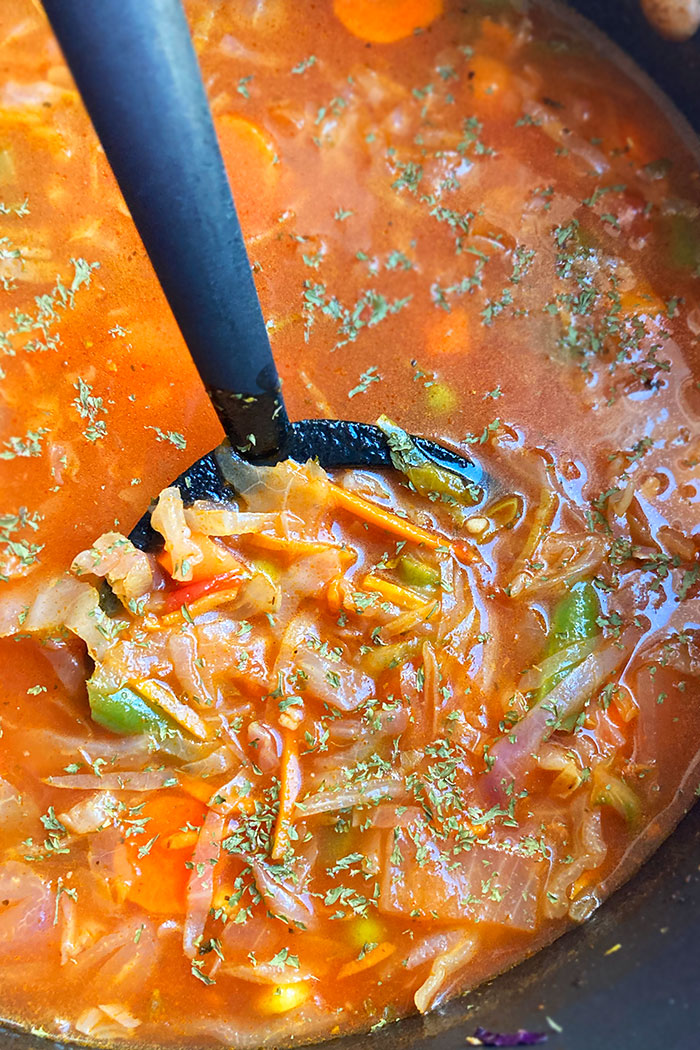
(136, 69)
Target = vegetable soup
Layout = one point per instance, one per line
(346, 745)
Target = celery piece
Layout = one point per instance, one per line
(611, 790)
(386, 656)
(417, 573)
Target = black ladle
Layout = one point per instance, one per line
(136, 69)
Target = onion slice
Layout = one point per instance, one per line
(513, 754)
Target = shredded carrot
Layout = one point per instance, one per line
(370, 958)
(581, 883)
(385, 519)
(232, 796)
(204, 604)
(625, 703)
(384, 21)
(465, 552)
(181, 840)
(223, 901)
(393, 593)
(333, 594)
(290, 787)
(296, 548)
(162, 696)
(278, 999)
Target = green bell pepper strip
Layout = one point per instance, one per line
(575, 619)
(684, 242)
(426, 477)
(124, 711)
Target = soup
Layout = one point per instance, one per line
(346, 746)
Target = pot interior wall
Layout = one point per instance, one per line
(674, 67)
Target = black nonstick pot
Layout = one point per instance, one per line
(629, 979)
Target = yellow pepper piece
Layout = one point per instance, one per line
(366, 931)
(284, 997)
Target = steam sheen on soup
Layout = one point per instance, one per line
(346, 745)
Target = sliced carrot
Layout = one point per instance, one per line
(250, 157)
(369, 959)
(195, 786)
(397, 595)
(181, 839)
(384, 21)
(491, 85)
(640, 301)
(290, 788)
(448, 333)
(160, 874)
(217, 560)
(497, 37)
(384, 519)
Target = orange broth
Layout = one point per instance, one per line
(483, 226)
